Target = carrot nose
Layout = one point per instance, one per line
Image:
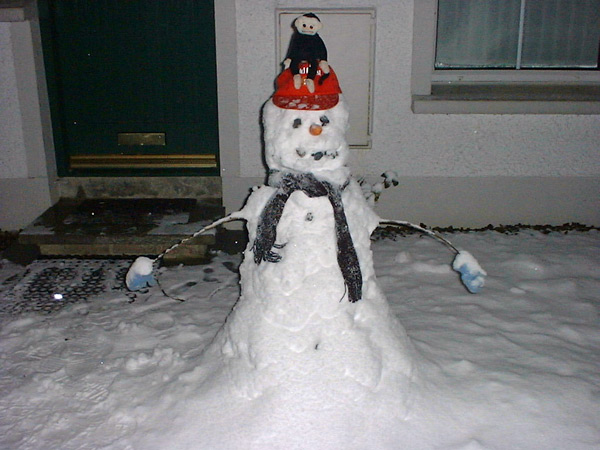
(315, 130)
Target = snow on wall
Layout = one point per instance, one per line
(413, 145)
(13, 162)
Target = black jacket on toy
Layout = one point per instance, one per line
(309, 48)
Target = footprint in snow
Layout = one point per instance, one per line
(179, 289)
(231, 267)
(144, 363)
(207, 275)
(94, 393)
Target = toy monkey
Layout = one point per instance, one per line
(306, 45)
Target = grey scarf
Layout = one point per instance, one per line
(266, 230)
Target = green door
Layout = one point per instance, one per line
(132, 86)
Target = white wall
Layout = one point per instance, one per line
(462, 170)
(26, 154)
(13, 163)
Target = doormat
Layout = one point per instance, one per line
(47, 286)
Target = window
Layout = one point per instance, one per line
(514, 56)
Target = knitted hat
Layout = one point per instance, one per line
(325, 96)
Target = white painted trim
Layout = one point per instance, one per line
(479, 201)
(23, 199)
(45, 119)
(27, 90)
(472, 201)
(17, 10)
(423, 48)
(227, 87)
(427, 104)
(571, 77)
(234, 189)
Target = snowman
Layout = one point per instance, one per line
(311, 340)
(311, 319)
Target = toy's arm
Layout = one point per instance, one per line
(324, 66)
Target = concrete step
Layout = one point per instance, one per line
(124, 227)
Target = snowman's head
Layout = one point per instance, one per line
(306, 140)
(304, 130)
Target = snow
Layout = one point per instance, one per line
(390, 178)
(515, 366)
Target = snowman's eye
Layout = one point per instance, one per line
(324, 120)
(297, 123)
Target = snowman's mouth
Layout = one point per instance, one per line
(317, 156)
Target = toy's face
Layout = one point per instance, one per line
(307, 25)
(306, 141)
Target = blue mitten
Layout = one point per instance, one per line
(140, 274)
(471, 273)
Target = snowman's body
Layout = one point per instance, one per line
(307, 279)
(294, 326)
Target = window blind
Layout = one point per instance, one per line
(518, 34)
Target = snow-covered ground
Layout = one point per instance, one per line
(514, 367)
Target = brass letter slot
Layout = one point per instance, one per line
(141, 139)
(204, 161)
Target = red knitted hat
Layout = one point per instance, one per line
(326, 95)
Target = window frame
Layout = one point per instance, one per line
(503, 91)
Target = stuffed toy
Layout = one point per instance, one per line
(306, 46)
